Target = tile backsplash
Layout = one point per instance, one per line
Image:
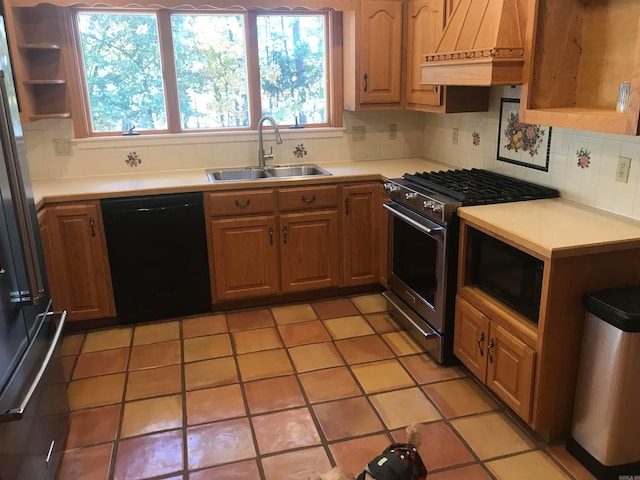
(387, 134)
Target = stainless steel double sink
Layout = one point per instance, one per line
(259, 173)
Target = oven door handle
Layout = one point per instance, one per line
(411, 221)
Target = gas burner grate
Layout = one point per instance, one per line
(478, 187)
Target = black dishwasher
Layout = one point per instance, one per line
(158, 256)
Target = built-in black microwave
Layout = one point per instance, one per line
(508, 274)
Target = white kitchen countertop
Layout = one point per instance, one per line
(149, 183)
(556, 227)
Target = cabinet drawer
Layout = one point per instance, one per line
(305, 198)
(241, 202)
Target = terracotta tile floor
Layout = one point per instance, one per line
(280, 393)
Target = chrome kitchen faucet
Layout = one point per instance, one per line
(262, 157)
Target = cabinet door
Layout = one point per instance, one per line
(309, 250)
(510, 370)
(76, 257)
(380, 46)
(425, 22)
(360, 234)
(245, 257)
(471, 333)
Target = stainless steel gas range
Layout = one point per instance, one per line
(423, 245)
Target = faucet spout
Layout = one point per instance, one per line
(262, 156)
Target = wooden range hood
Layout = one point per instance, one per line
(482, 45)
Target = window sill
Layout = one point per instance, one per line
(137, 141)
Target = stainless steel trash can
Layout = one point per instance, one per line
(605, 433)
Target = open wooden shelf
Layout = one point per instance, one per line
(580, 53)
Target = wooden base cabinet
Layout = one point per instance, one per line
(245, 257)
(75, 252)
(293, 246)
(499, 359)
(360, 233)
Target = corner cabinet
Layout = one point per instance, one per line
(579, 54)
(41, 53)
(75, 252)
(372, 55)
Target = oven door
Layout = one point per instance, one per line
(417, 270)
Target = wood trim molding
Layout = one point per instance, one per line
(242, 5)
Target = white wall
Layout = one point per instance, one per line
(594, 186)
(162, 153)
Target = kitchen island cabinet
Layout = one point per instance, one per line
(75, 253)
(535, 364)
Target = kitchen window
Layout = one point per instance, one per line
(173, 72)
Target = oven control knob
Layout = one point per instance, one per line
(390, 187)
(411, 195)
(433, 206)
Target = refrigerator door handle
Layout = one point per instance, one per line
(25, 228)
(17, 413)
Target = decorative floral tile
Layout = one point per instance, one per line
(584, 157)
(133, 160)
(475, 138)
(299, 151)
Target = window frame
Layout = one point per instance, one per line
(333, 61)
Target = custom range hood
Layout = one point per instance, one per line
(482, 45)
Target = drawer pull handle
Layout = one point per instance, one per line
(246, 203)
(489, 347)
(480, 344)
(92, 223)
(308, 200)
(366, 82)
(346, 206)
(270, 236)
(284, 234)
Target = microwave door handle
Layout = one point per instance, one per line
(412, 222)
(19, 198)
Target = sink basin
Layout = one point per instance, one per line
(257, 173)
(236, 174)
(296, 171)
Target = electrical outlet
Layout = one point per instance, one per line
(454, 137)
(62, 146)
(358, 133)
(622, 170)
(393, 131)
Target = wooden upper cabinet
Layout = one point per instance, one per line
(77, 263)
(372, 55)
(425, 22)
(360, 241)
(578, 54)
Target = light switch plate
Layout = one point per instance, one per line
(62, 146)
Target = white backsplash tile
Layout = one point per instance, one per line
(418, 135)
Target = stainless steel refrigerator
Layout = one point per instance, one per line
(33, 402)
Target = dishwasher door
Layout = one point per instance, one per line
(158, 256)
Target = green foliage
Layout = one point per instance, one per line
(123, 70)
